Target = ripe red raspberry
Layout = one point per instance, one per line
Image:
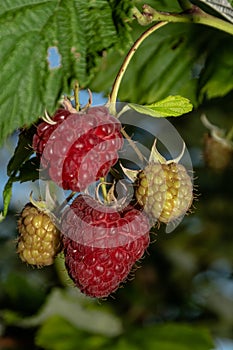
(101, 244)
(39, 239)
(80, 148)
(45, 130)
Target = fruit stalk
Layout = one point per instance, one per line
(132, 144)
(117, 82)
(76, 96)
(104, 189)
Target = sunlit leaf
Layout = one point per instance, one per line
(171, 106)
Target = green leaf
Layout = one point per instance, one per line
(23, 60)
(20, 167)
(216, 80)
(162, 66)
(169, 62)
(80, 30)
(70, 307)
(23, 150)
(7, 194)
(172, 336)
(57, 333)
(25, 294)
(29, 171)
(171, 106)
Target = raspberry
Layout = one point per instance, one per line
(218, 153)
(218, 147)
(45, 130)
(80, 148)
(165, 191)
(39, 239)
(101, 244)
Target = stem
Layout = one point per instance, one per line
(118, 79)
(76, 96)
(117, 82)
(104, 189)
(192, 15)
(132, 144)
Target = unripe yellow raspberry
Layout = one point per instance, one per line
(39, 239)
(165, 191)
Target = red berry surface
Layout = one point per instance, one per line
(80, 148)
(101, 244)
(44, 130)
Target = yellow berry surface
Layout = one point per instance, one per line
(165, 191)
(39, 238)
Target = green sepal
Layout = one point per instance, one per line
(130, 173)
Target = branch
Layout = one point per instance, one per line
(192, 15)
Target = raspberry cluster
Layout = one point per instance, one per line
(101, 242)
